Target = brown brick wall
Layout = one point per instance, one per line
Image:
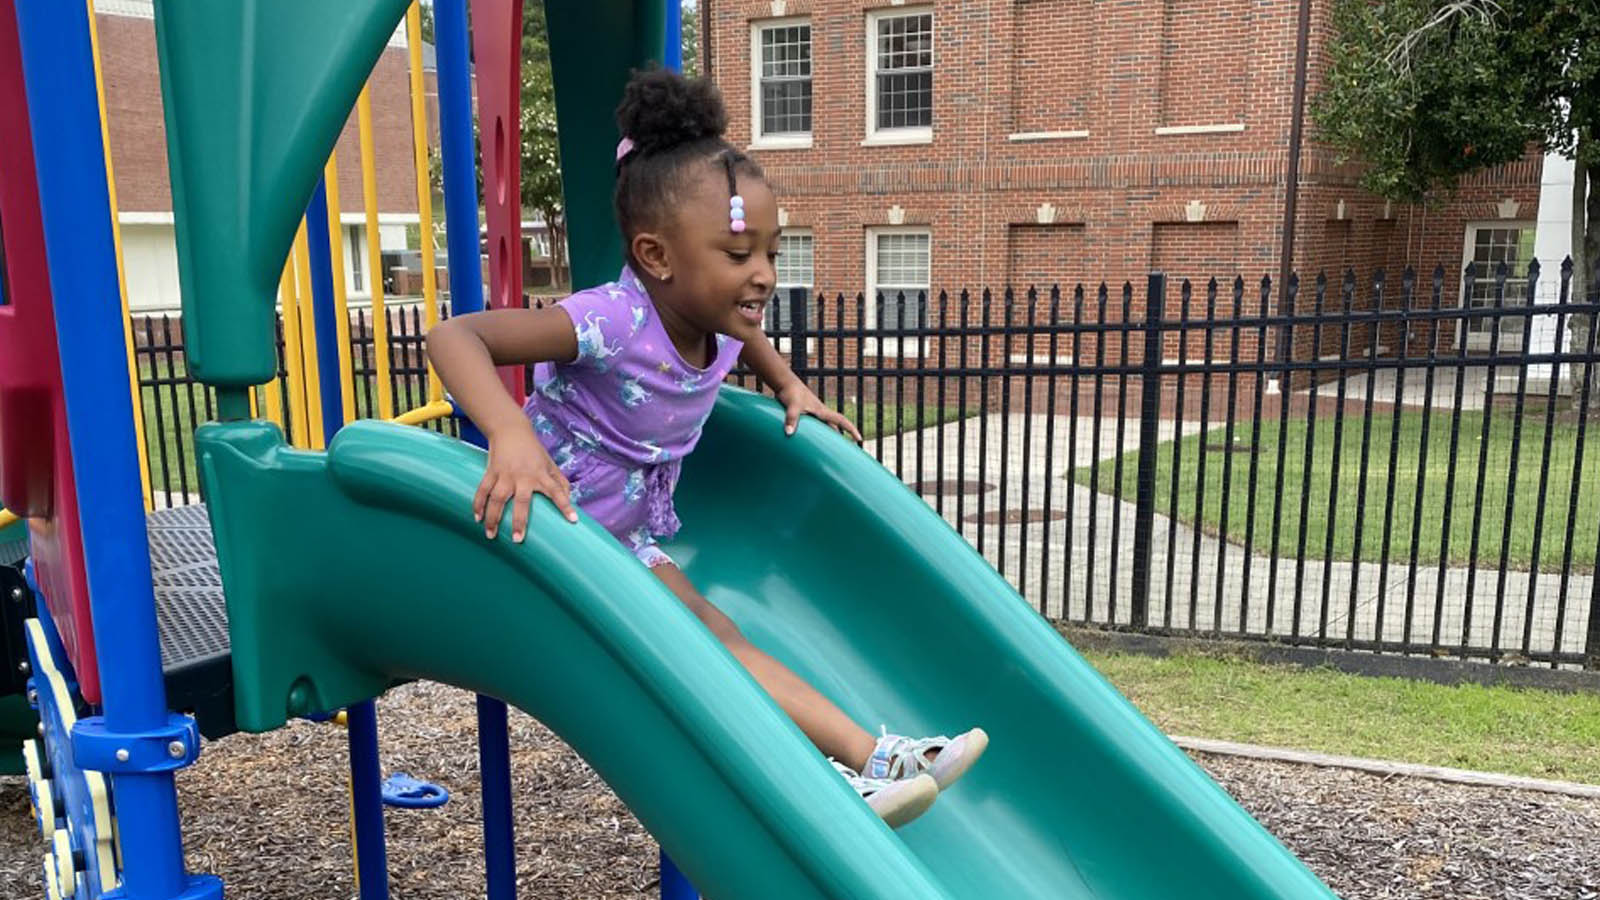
(1204, 67)
(1118, 69)
(1055, 46)
(138, 134)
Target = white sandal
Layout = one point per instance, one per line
(899, 757)
(895, 802)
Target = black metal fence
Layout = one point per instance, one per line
(1365, 465)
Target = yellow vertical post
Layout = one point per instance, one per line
(293, 360)
(369, 203)
(308, 339)
(122, 278)
(419, 148)
(341, 301)
(271, 399)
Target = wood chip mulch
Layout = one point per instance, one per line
(269, 814)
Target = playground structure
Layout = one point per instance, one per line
(153, 627)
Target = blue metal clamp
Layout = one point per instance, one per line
(163, 750)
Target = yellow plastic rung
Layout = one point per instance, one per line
(429, 412)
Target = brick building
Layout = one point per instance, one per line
(988, 143)
(126, 30)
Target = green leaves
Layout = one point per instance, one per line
(1425, 92)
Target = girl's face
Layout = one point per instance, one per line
(713, 279)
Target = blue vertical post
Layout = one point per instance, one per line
(64, 110)
(674, 885)
(672, 53)
(361, 719)
(457, 150)
(320, 258)
(494, 765)
(366, 800)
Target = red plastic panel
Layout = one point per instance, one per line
(35, 458)
(497, 52)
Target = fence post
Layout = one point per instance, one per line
(797, 331)
(1149, 433)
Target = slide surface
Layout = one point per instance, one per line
(349, 570)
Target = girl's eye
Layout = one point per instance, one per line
(738, 255)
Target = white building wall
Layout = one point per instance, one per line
(1552, 243)
(150, 258)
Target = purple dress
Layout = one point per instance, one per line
(619, 419)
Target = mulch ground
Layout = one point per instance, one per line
(268, 813)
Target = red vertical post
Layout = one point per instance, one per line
(497, 52)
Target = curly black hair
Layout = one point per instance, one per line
(675, 123)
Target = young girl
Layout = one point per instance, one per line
(626, 374)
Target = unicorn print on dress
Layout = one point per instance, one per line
(587, 440)
(564, 456)
(558, 388)
(620, 415)
(633, 394)
(633, 488)
(592, 340)
(639, 537)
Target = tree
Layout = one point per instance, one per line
(425, 14)
(691, 38)
(541, 147)
(1425, 92)
(541, 150)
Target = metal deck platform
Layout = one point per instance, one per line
(191, 617)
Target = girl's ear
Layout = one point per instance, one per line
(650, 250)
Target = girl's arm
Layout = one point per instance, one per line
(465, 351)
(768, 365)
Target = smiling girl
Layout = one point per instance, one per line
(626, 374)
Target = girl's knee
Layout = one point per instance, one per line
(719, 623)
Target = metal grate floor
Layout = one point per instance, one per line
(191, 617)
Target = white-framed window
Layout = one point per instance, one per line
(1487, 245)
(796, 269)
(900, 76)
(358, 258)
(780, 83)
(899, 263)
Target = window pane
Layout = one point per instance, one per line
(786, 79)
(786, 52)
(905, 71)
(786, 107)
(1490, 248)
(794, 260)
(903, 267)
(794, 271)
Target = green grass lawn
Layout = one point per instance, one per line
(1520, 731)
(1500, 475)
(907, 417)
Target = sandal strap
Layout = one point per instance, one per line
(896, 756)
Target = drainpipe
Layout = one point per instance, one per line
(704, 11)
(1292, 187)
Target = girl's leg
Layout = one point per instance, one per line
(834, 733)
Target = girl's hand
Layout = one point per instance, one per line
(798, 400)
(519, 467)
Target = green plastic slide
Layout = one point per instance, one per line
(378, 573)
